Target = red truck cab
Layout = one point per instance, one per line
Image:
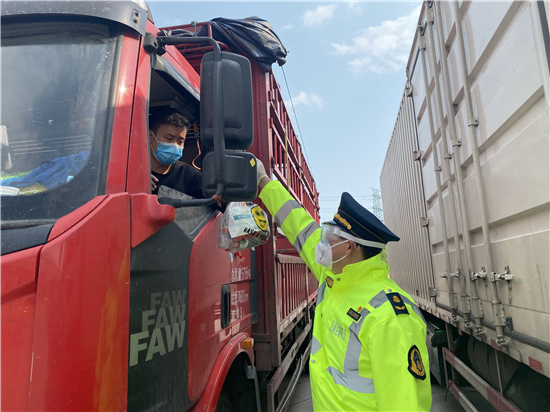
(110, 299)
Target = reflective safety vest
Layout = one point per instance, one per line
(369, 337)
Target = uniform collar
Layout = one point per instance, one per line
(366, 271)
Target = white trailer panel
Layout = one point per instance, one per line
(508, 79)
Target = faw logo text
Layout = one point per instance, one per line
(167, 320)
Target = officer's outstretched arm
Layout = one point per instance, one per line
(397, 353)
(298, 226)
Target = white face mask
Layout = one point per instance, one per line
(323, 254)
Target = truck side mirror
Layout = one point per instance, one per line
(227, 123)
(235, 101)
(240, 181)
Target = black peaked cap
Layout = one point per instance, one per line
(361, 223)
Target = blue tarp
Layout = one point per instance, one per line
(52, 174)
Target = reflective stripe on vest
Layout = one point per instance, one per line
(315, 345)
(414, 307)
(285, 210)
(379, 299)
(304, 235)
(321, 292)
(350, 377)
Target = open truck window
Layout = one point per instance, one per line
(55, 80)
(168, 88)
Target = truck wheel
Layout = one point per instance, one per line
(224, 402)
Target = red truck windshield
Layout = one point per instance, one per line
(56, 81)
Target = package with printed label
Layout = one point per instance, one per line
(243, 225)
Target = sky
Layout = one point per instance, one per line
(346, 74)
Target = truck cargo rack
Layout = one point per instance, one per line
(284, 151)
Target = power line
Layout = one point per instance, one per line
(296, 117)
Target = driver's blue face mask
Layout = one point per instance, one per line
(167, 153)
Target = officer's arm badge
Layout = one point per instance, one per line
(397, 303)
(416, 367)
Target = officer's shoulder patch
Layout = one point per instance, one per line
(416, 367)
(397, 303)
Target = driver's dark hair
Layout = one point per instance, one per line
(166, 115)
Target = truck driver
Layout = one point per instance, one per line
(167, 131)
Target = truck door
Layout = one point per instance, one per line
(162, 240)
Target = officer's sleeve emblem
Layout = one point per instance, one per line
(397, 303)
(416, 367)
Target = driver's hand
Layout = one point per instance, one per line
(154, 182)
(218, 200)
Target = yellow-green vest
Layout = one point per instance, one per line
(369, 337)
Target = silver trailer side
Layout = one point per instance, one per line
(466, 184)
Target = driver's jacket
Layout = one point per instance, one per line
(369, 338)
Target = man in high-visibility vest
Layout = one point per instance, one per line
(369, 338)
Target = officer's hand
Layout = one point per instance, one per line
(260, 168)
(154, 182)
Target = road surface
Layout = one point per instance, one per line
(301, 399)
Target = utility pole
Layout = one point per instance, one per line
(377, 204)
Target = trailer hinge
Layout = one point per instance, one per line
(473, 122)
(437, 169)
(457, 143)
(479, 275)
(417, 155)
(456, 274)
(409, 91)
(454, 308)
(432, 292)
(503, 341)
(429, 15)
(424, 221)
(466, 304)
(477, 308)
(510, 323)
(498, 313)
(480, 332)
(444, 275)
(422, 39)
(448, 156)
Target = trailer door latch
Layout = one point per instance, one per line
(479, 275)
(507, 276)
